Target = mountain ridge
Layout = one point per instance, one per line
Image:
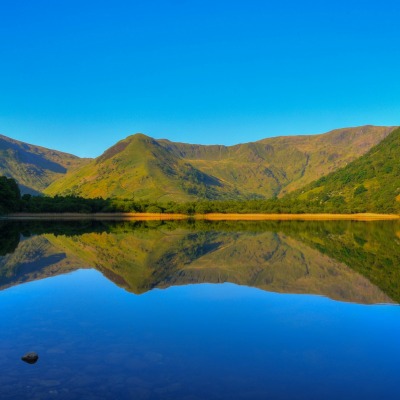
(158, 169)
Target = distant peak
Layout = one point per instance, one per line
(129, 141)
(137, 136)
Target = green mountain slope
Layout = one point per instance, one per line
(34, 167)
(152, 169)
(139, 166)
(370, 183)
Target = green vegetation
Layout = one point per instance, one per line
(76, 204)
(369, 184)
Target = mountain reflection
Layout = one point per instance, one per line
(347, 261)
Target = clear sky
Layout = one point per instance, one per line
(80, 75)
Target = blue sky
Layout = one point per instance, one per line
(80, 75)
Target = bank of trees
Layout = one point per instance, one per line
(75, 204)
(9, 195)
(12, 201)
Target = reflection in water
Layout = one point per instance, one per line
(348, 261)
(228, 341)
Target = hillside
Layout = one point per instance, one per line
(275, 166)
(139, 166)
(145, 168)
(370, 183)
(34, 167)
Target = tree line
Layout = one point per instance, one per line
(12, 201)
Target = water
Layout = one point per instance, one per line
(291, 310)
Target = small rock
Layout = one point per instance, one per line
(30, 358)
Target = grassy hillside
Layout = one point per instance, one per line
(140, 167)
(161, 170)
(370, 183)
(34, 167)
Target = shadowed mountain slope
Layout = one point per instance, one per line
(34, 167)
(161, 170)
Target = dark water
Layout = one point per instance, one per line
(174, 310)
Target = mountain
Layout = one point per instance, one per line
(34, 167)
(275, 166)
(145, 168)
(370, 183)
(139, 166)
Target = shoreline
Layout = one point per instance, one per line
(205, 217)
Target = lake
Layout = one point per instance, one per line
(200, 310)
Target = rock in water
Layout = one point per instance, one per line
(30, 358)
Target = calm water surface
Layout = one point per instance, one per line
(175, 310)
